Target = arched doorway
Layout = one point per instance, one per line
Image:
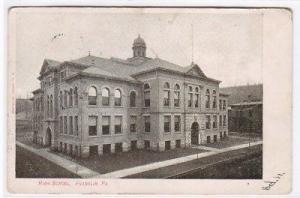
(195, 133)
(48, 137)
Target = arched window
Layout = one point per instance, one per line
(118, 97)
(166, 94)
(132, 99)
(51, 106)
(105, 96)
(146, 86)
(92, 98)
(147, 95)
(61, 99)
(76, 96)
(177, 95)
(214, 99)
(190, 96)
(48, 106)
(207, 104)
(66, 99)
(197, 98)
(71, 97)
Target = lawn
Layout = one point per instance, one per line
(118, 161)
(29, 165)
(243, 163)
(230, 141)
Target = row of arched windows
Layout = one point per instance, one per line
(214, 96)
(68, 98)
(106, 96)
(167, 92)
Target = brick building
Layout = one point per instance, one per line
(95, 105)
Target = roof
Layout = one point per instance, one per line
(238, 94)
(37, 91)
(125, 69)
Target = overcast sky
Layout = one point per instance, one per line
(227, 44)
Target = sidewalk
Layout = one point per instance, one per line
(88, 173)
(67, 164)
(156, 165)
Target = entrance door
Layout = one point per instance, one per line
(48, 137)
(195, 133)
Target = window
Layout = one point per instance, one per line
(66, 99)
(220, 104)
(105, 97)
(166, 94)
(224, 105)
(76, 96)
(71, 125)
(224, 120)
(208, 139)
(190, 88)
(167, 123)
(65, 125)
(207, 102)
(106, 148)
(133, 145)
(71, 98)
(250, 113)
(177, 123)
(147, 144)
(105, 125)
(92, 98)
(51, 106)
(118, 124)
(196, 102)
(178, 143)
(207, 122)
(76, 125)
(215, 138)
(61, 99)
(61, 124)
(190, 98)
(132, 99)
(92, 125)
(133, 120)
(147, 123)
(177, 96)
(215, 121)
(147, 95)
(220, 120)
(167, 145)
(118, 97)
(214, 101)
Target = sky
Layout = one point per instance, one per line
(226, 44)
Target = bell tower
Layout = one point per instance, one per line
(139, 47)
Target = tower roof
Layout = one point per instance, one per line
(139, 41)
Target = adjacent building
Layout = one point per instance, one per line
(245, 108)
(93, 105)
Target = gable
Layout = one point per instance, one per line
(196, 71)
(44, 67)
(48, 65)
